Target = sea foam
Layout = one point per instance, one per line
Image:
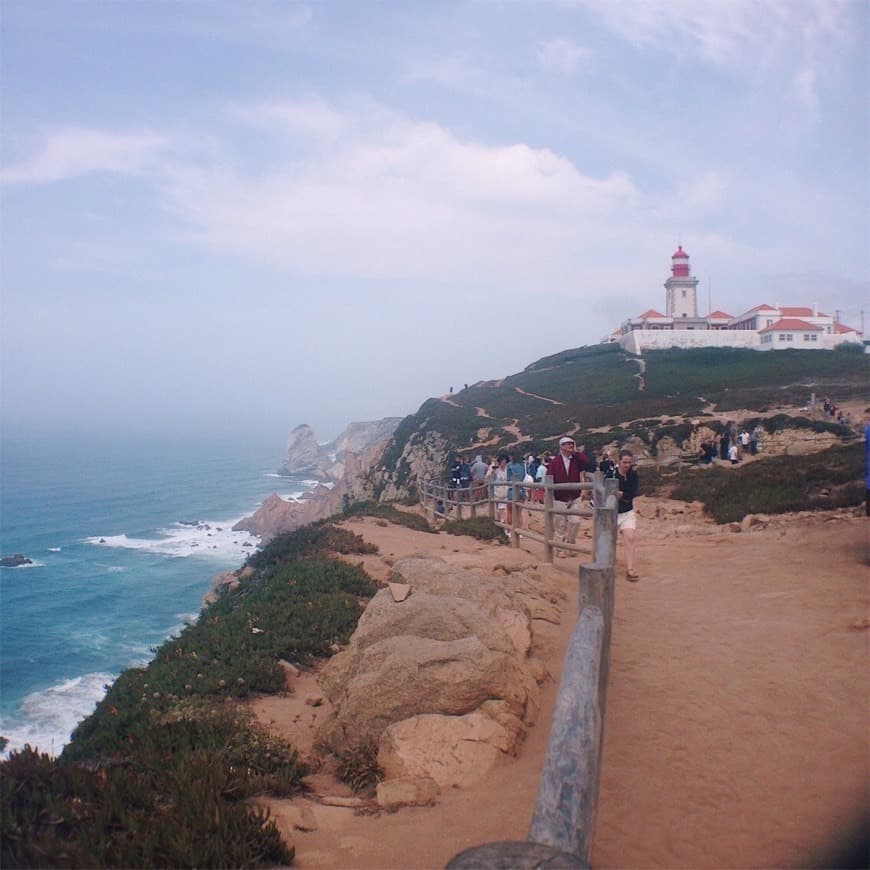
(45, 720)
(205, 539)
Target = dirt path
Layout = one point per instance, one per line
(536, 396)
(737, 720)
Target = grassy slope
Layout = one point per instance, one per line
(598, 387)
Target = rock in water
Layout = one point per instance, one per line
(15, 561)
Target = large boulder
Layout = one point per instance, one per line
(404, 676)
(442, 680)
(502, 600)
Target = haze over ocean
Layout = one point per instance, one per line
(125, 535)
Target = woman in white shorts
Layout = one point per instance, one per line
(626, 519)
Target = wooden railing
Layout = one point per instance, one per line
(448, 502)
(563, 823)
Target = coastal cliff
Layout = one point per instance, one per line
(344, 464)
(325, 462)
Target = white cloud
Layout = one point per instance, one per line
(70, 152)
(407, 201)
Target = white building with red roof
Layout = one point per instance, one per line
(764, 327)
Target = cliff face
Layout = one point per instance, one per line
(305, 457)
(346, 463)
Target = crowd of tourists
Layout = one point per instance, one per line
(514, 476)
(731, 445)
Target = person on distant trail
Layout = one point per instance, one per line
(626, 520)
(755, 438)
(567, 466)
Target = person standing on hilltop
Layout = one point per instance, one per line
(567, 466)
(626, 520)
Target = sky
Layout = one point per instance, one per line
(246, 216)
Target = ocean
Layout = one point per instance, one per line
(125, 536)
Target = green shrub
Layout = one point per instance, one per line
(174, 801)
(482, 528)
(780, 484)
(358, 767)
(158, 774)
(390, 513)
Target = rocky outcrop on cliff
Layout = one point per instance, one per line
(349, 478)
(442, 681)
(305, 457)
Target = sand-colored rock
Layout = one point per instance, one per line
(451, 750)
(406, 792)
(404, 676)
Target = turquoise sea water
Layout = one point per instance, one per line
(125, 537)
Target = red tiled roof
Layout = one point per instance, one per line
(791, 323)
(653, 313)
(796, 312)
(720, 314)
(840, 328)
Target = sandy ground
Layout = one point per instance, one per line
(738, 710)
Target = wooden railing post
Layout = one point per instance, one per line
(548, 518)
(567, 802)
(605, 497)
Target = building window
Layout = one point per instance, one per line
(814, 337)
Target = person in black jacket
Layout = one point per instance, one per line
(626, 521)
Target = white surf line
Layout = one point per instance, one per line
(536, 396)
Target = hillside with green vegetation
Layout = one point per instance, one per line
(161, 773)
(601, 394)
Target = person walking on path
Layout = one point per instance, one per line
(567, 466)
(626, 519)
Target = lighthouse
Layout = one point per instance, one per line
(681, 288)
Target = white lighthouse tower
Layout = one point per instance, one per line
(681, 288)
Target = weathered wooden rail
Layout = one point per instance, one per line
(443, 501)
(563, 824)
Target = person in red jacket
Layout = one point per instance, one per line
(567, 466)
